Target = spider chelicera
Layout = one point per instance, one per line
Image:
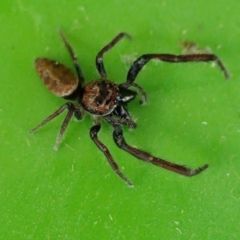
(105, 99)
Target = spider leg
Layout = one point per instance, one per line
(99, 57)
(74, 58)
(93, 134)
(141, 61)
(142, 155)
(71, 111)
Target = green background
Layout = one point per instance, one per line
(192, 117)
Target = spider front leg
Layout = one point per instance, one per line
(99, 57)
(93, 134)
(72, 110)
(142, 155)
(141, 61)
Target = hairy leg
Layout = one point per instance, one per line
(71, 110)
(99, 57)
(142, 155)
(93, 134)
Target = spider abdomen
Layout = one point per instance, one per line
(99, 97)
(58, 78)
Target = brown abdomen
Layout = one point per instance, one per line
(58, 78)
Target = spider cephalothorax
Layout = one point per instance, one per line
(106, 99)
(100, 97)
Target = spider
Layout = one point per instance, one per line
(102, 98)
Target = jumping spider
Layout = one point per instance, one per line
(105, 99)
